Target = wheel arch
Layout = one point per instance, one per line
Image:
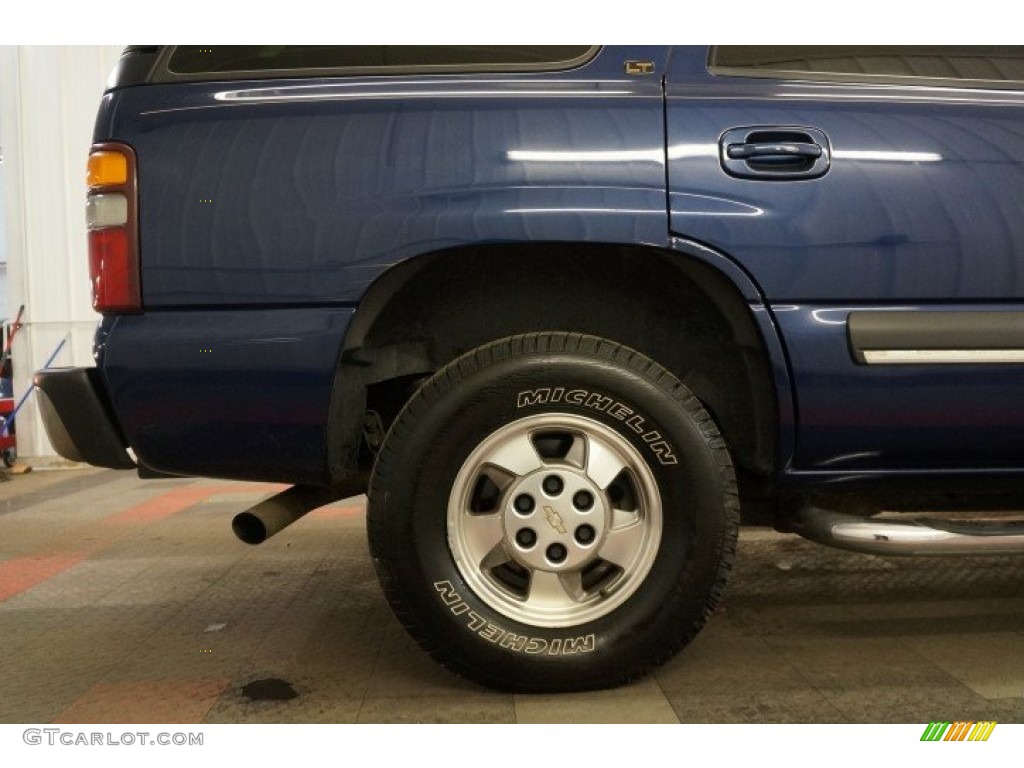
(692, 317)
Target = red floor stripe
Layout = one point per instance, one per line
(332, 513)
(160, 507)
(22, 573)
(146, 701)
(168, 503)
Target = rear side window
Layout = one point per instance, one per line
(202, 62)
(965, 65)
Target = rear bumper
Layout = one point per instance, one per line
(78, 421)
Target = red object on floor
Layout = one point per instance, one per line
(9, 440)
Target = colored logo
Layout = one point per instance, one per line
(959, 731)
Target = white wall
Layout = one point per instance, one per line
(48, 101)
(3, 222)
(3, 243)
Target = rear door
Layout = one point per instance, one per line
(876, 195)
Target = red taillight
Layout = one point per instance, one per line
(113, 271)
(112, 219)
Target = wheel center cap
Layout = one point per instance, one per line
(554, 519)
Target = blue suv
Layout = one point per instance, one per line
(566, 314)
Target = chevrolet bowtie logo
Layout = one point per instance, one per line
(554, 519)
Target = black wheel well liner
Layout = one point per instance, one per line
(677, 310)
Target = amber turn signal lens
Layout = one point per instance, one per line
(107, 169)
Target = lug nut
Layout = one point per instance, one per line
(556, 553)
(583, 500)
(524, 504)
(526, 537)
(552, 485)
(585, 534)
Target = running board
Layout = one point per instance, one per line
(916, 536)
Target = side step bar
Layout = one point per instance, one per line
(916, 536)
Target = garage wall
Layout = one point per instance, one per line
(48, 101)
(3, 243)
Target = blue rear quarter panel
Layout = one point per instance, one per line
(267, 208)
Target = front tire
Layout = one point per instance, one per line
(553, 512)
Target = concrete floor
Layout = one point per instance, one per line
(123, 601)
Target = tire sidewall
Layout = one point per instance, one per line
(446, 422)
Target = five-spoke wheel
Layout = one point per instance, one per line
(554, 520)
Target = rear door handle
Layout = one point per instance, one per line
(775, 152)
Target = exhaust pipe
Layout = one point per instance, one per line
(917, 536)
(260, 522)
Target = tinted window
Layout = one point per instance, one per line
(948, 62)
(198, 59)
